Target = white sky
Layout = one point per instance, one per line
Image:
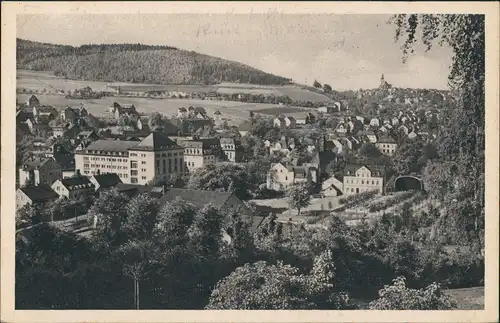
(345, 51)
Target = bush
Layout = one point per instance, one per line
(400, 297)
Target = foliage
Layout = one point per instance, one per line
(299, 196)
(278, 286)
(226, 177)
(327, 88)
(460, 142)
(316, 84)
(137, 63)
(357, 199)
(400, 297)
(369, 150)
(386, 203)
(142, 212)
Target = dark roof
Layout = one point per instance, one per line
(387, 140)
(35, 163)
(377, 170)
(131, 189)
(107, 180)
(39, 193)
(156, 141)
(111, 145)
(76, 182)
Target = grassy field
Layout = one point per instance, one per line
(33, 80)
(237, 112)
(284, 110)
(468, 298)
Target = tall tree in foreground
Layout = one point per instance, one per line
(299, 196)
(460, 167)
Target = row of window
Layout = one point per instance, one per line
(103, 166)
(117, 153)
(104, 159)
(135, 155)
(362, 182)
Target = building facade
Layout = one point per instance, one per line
(74, 187)
(362, 178)
(199, 152)
(232, 149)
(135, 162)
(387, 145)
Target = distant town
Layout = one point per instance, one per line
(176, 180)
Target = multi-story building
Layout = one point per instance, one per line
(199, 152)
(232, 149)
(135, 162)
(38, 171)
(360, 178)
(387, 145)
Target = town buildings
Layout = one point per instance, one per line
(282, 175)
(232, 149)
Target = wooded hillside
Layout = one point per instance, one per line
(137, 63)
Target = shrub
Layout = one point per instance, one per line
(400, 297)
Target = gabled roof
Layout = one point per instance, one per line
(39, 193)
(386, 140)
(36, 162)
(156, 141)
(107, 180)
(76, 182)
(377, 170)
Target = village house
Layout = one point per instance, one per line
(395, 121)
(68, 115)
(387, 145)
(116, 111)
(327, 109)
(350, 126)
(41, 195)
(332, 187)
(335, 146)
(412, 135)
(232, 149)
(360, 178)
(88, 135)
(245, 128)
(32, 102)
(375, 122)
(283, 122)
(38, 171)
(181, 112)
(74, 187)
(404, 129)
(370, 135)
(59, 131)
(361, 119)
(104, 182)
(284, 146)
(44, 114)
(383, 129)
(341, 128)
(281, 176)
(211, 96)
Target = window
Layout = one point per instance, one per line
(133, 164)
(133, 173)
(133, 180)
(143, 162)
(144, 177)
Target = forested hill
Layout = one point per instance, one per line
(137, 63)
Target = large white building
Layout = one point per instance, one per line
(135, 162)
(199, 152)
(362, 178)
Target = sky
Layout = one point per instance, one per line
(345, 51)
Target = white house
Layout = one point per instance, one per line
(375, 122)
(404, 129)
(280, 177)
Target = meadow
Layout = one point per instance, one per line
(236, 112)
(38, 80)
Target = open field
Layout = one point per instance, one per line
(285, 110)
(468, 298)
(237, 112)
(39, 80)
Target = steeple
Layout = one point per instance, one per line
(382, 78)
